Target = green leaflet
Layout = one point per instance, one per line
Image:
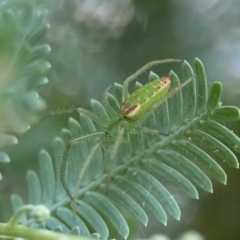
(40, 51)
(214, 95)
(222, 133)
(39, 33)
(34, 186)
(171, 176)
(189, 93)
(202, 92)
(113, 107)
(17, 203)
(109, 211)
(75, 231)
(226, 114)
(66, 215)
(120, 197)
(186, 167)
(175, 105)
(4, 158)
(99, 110)
(152, 76)
(47, 177)
(196, 154)
(118, 92)
(57, 225)
(215, 146)
(157, 190)
(144, 196)
(91, 216)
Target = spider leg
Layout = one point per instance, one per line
(170, 94)
(152, 131)
(113, 154)
(65, 158)
(142, 70)
(105, 94)
(83, 169)
(82, 111)
(58, 112)
(92, 116)
(110, 104)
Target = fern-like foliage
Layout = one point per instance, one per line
(192, 137)
(22, 25)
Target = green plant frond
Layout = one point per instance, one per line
(156, 189)
(189, 145)
(47, 177)
(6, 139)
(143, 196)
(99, 110)
(52, 222)
(156, 167)
(58, 229)
(114, 106)
(120, 197)
(17, 203)
(211, 143)
(34, 188)
(222, 133)
(93, 218)
(152, 76)
(193, 152)
(75, 231)
(22, 26)
(189, 93)
(186, 167)
(109, 211)
(175, 105)
(118, 92)
(226, 113)
(214, 95)
(202, 90)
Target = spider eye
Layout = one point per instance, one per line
(106, 135)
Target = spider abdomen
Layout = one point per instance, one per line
(143, 98)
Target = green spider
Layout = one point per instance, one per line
(133, 112)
